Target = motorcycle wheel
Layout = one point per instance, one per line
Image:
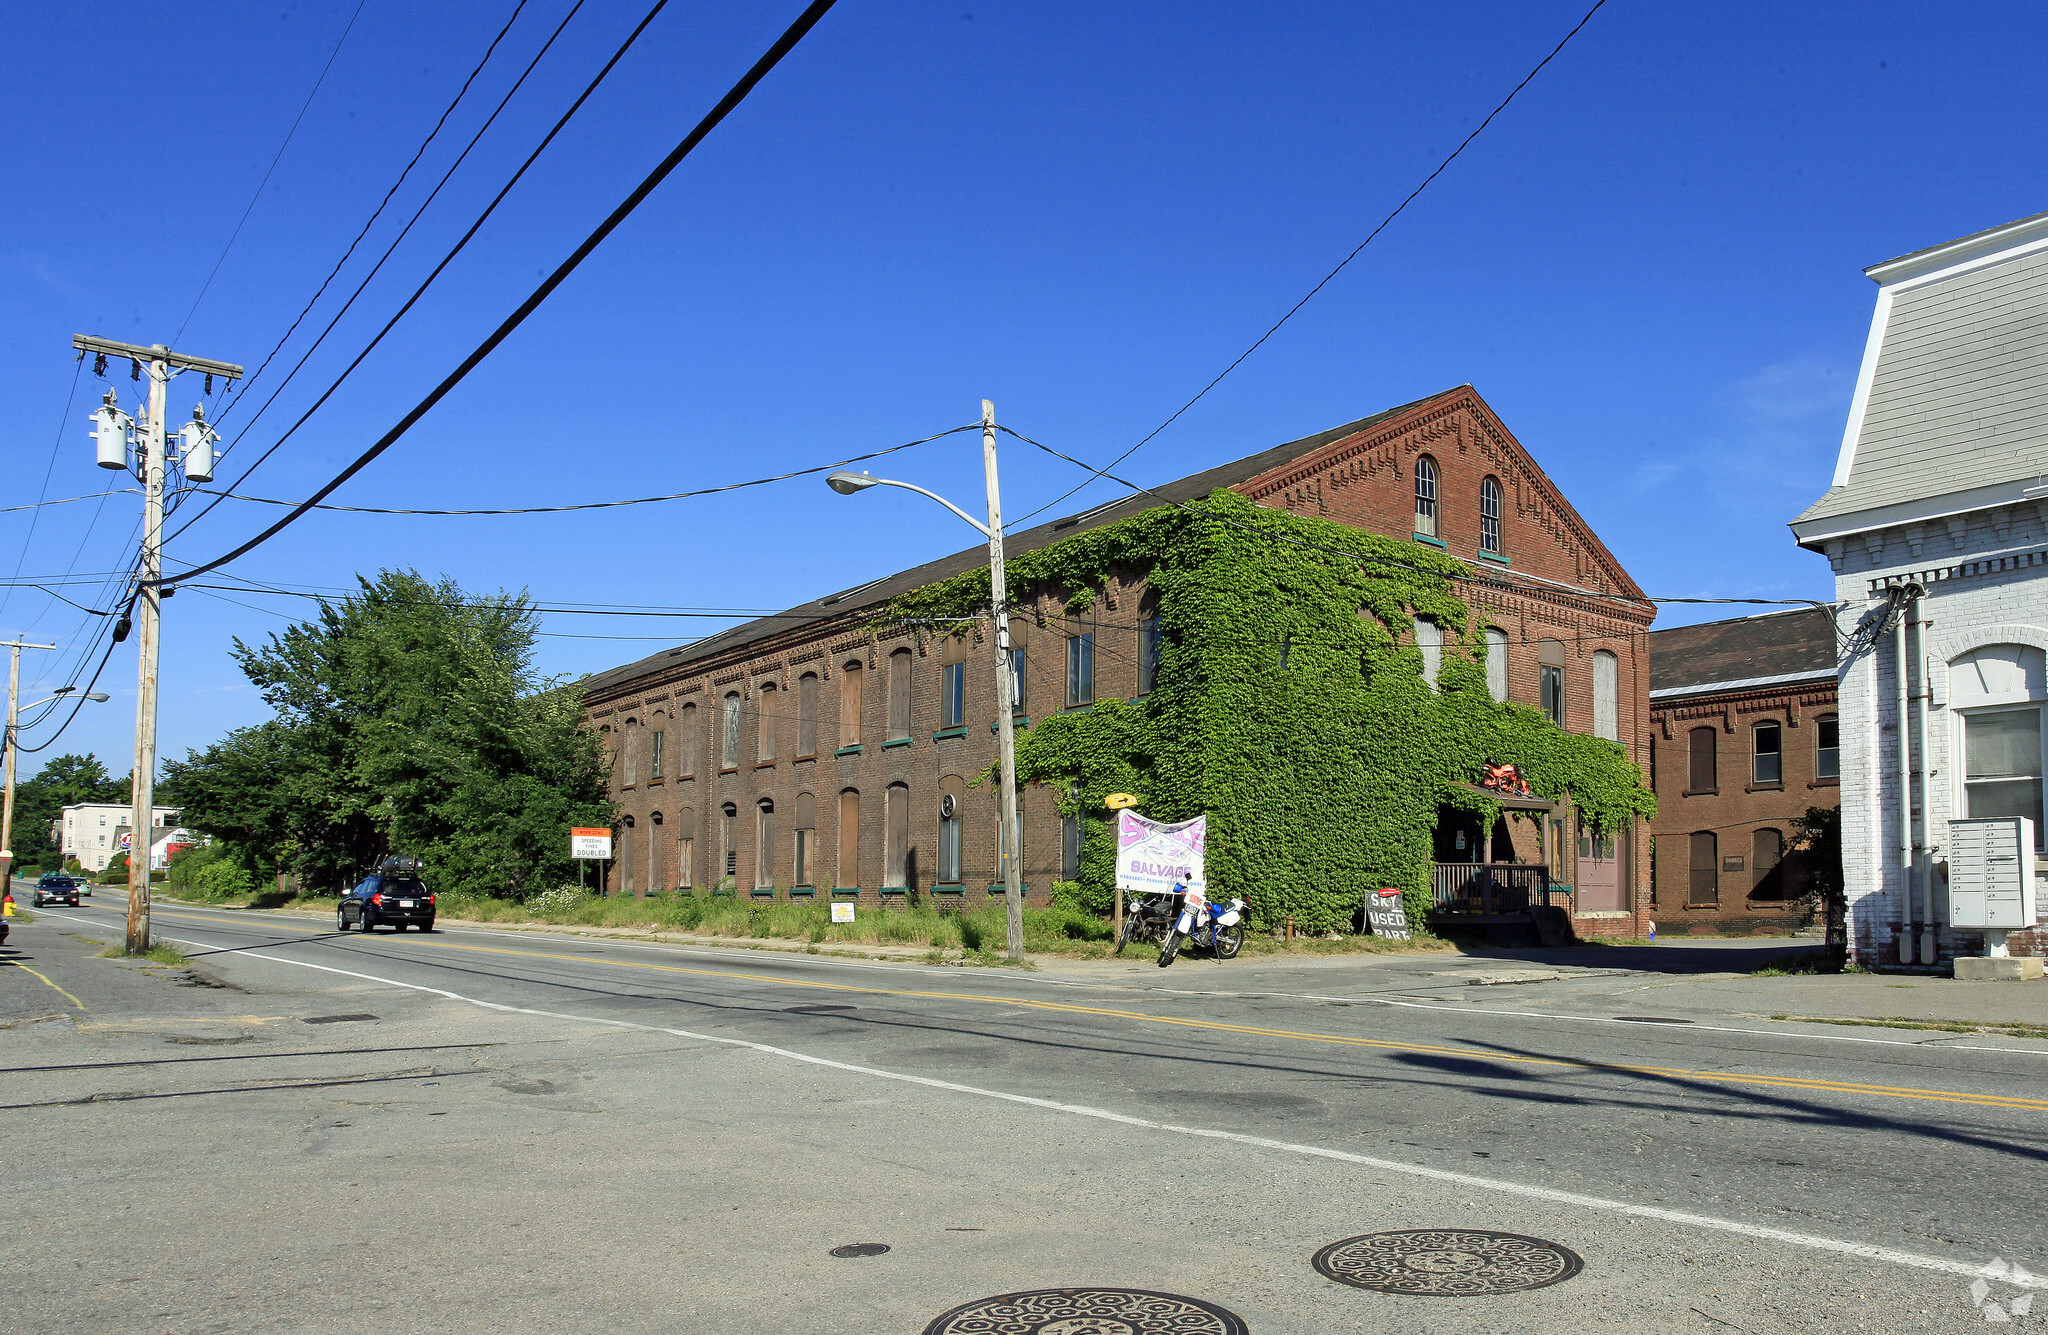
(1123, 937)
(1171, 948)
(1229, 940)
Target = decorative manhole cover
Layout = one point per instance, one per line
(1650, 1019)
(861, 1249)
(1087, 1312)
(1447, 1262)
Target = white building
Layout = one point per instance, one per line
(92, 831)
(1937, 529)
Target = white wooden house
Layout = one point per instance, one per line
(1936, 526)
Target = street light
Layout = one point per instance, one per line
(8, 756)
(848, 483)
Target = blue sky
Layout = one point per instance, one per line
(1650, 266)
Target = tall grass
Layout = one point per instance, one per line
(974, 930)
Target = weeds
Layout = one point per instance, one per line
(160, 953)
(2010, 1028)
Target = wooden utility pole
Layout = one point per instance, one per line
(9, 754)
(1006, 728)
(163, 365)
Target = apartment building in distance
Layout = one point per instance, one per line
(93, 832)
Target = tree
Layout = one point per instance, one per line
(39, 802)
(408, 718)
(1817, 843)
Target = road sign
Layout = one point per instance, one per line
(1386, 915)
(591, 844)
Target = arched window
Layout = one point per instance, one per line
(807, 715)
(629, 754)
(1497, 663)
(1080, 663)
(1706, 870)
(686, 726)
(765, 703)
(896, 837)
(804, 824)
(1996, 695)
(764, 845)
(1429, 637)
(952, 681)
(627, 870)
(1766, 753)
(1425, 496)
(1550, 679)
(1148, 643)
(1489, 516)
(729, 843)
(686, 847)
(657, 738)
(850, 677)
(1827, 747)
(729, 752)
(1766, 864)
(848, 875)
(952, 811)
(899, 694)
(656, 882)
(1704, 776)
(1020, 663)
(1606, 696)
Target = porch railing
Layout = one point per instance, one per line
(1465, 889)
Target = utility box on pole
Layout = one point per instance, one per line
(1991, 889)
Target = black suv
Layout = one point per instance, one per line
(391, 894)
(57, 890)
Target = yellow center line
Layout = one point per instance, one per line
(1218, 1026)
(19, 965)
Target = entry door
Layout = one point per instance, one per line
(1600, 873)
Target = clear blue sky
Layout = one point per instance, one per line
(1650, 265)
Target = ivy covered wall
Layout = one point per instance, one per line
(1290, 706)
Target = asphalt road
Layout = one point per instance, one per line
(666, 1138)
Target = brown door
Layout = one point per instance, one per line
(1599, 871)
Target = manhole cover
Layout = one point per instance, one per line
(861, 1249)
(814, 1010)
(334, 1019)
(1447, 1262)
(1087, 1312)
(1650, 1019)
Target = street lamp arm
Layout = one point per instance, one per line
(979, 527)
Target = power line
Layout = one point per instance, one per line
(306, 106)
(42, 505)
(1341, 264)
(396, 241)
(607, 505)
(737, 94)
(56, 447)
(404, 172)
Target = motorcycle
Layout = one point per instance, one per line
(1219, 929)
(1151, 915)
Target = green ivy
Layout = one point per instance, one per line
(1289, 706)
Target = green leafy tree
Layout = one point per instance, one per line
(38, 802)
(408, 719)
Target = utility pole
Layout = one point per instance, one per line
(1006, 728)
(163, 365)
(9, 753)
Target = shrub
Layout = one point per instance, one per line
(561, 899)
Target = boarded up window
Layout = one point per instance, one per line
(850, 678)
(899, 694)
(1607, 696)
(1706, 870)
(807, 714)
(896, 836)
(849, 840)
(769, 700)
(1700, 743)
(804, 822)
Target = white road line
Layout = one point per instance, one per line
(1811, 1241)
(727, 955)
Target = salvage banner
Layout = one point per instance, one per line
(1154, 856)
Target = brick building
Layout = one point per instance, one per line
(804, 755)
(1743, 739)
(1936, 526)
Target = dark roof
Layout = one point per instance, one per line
(882, 590)
(1776, 644)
